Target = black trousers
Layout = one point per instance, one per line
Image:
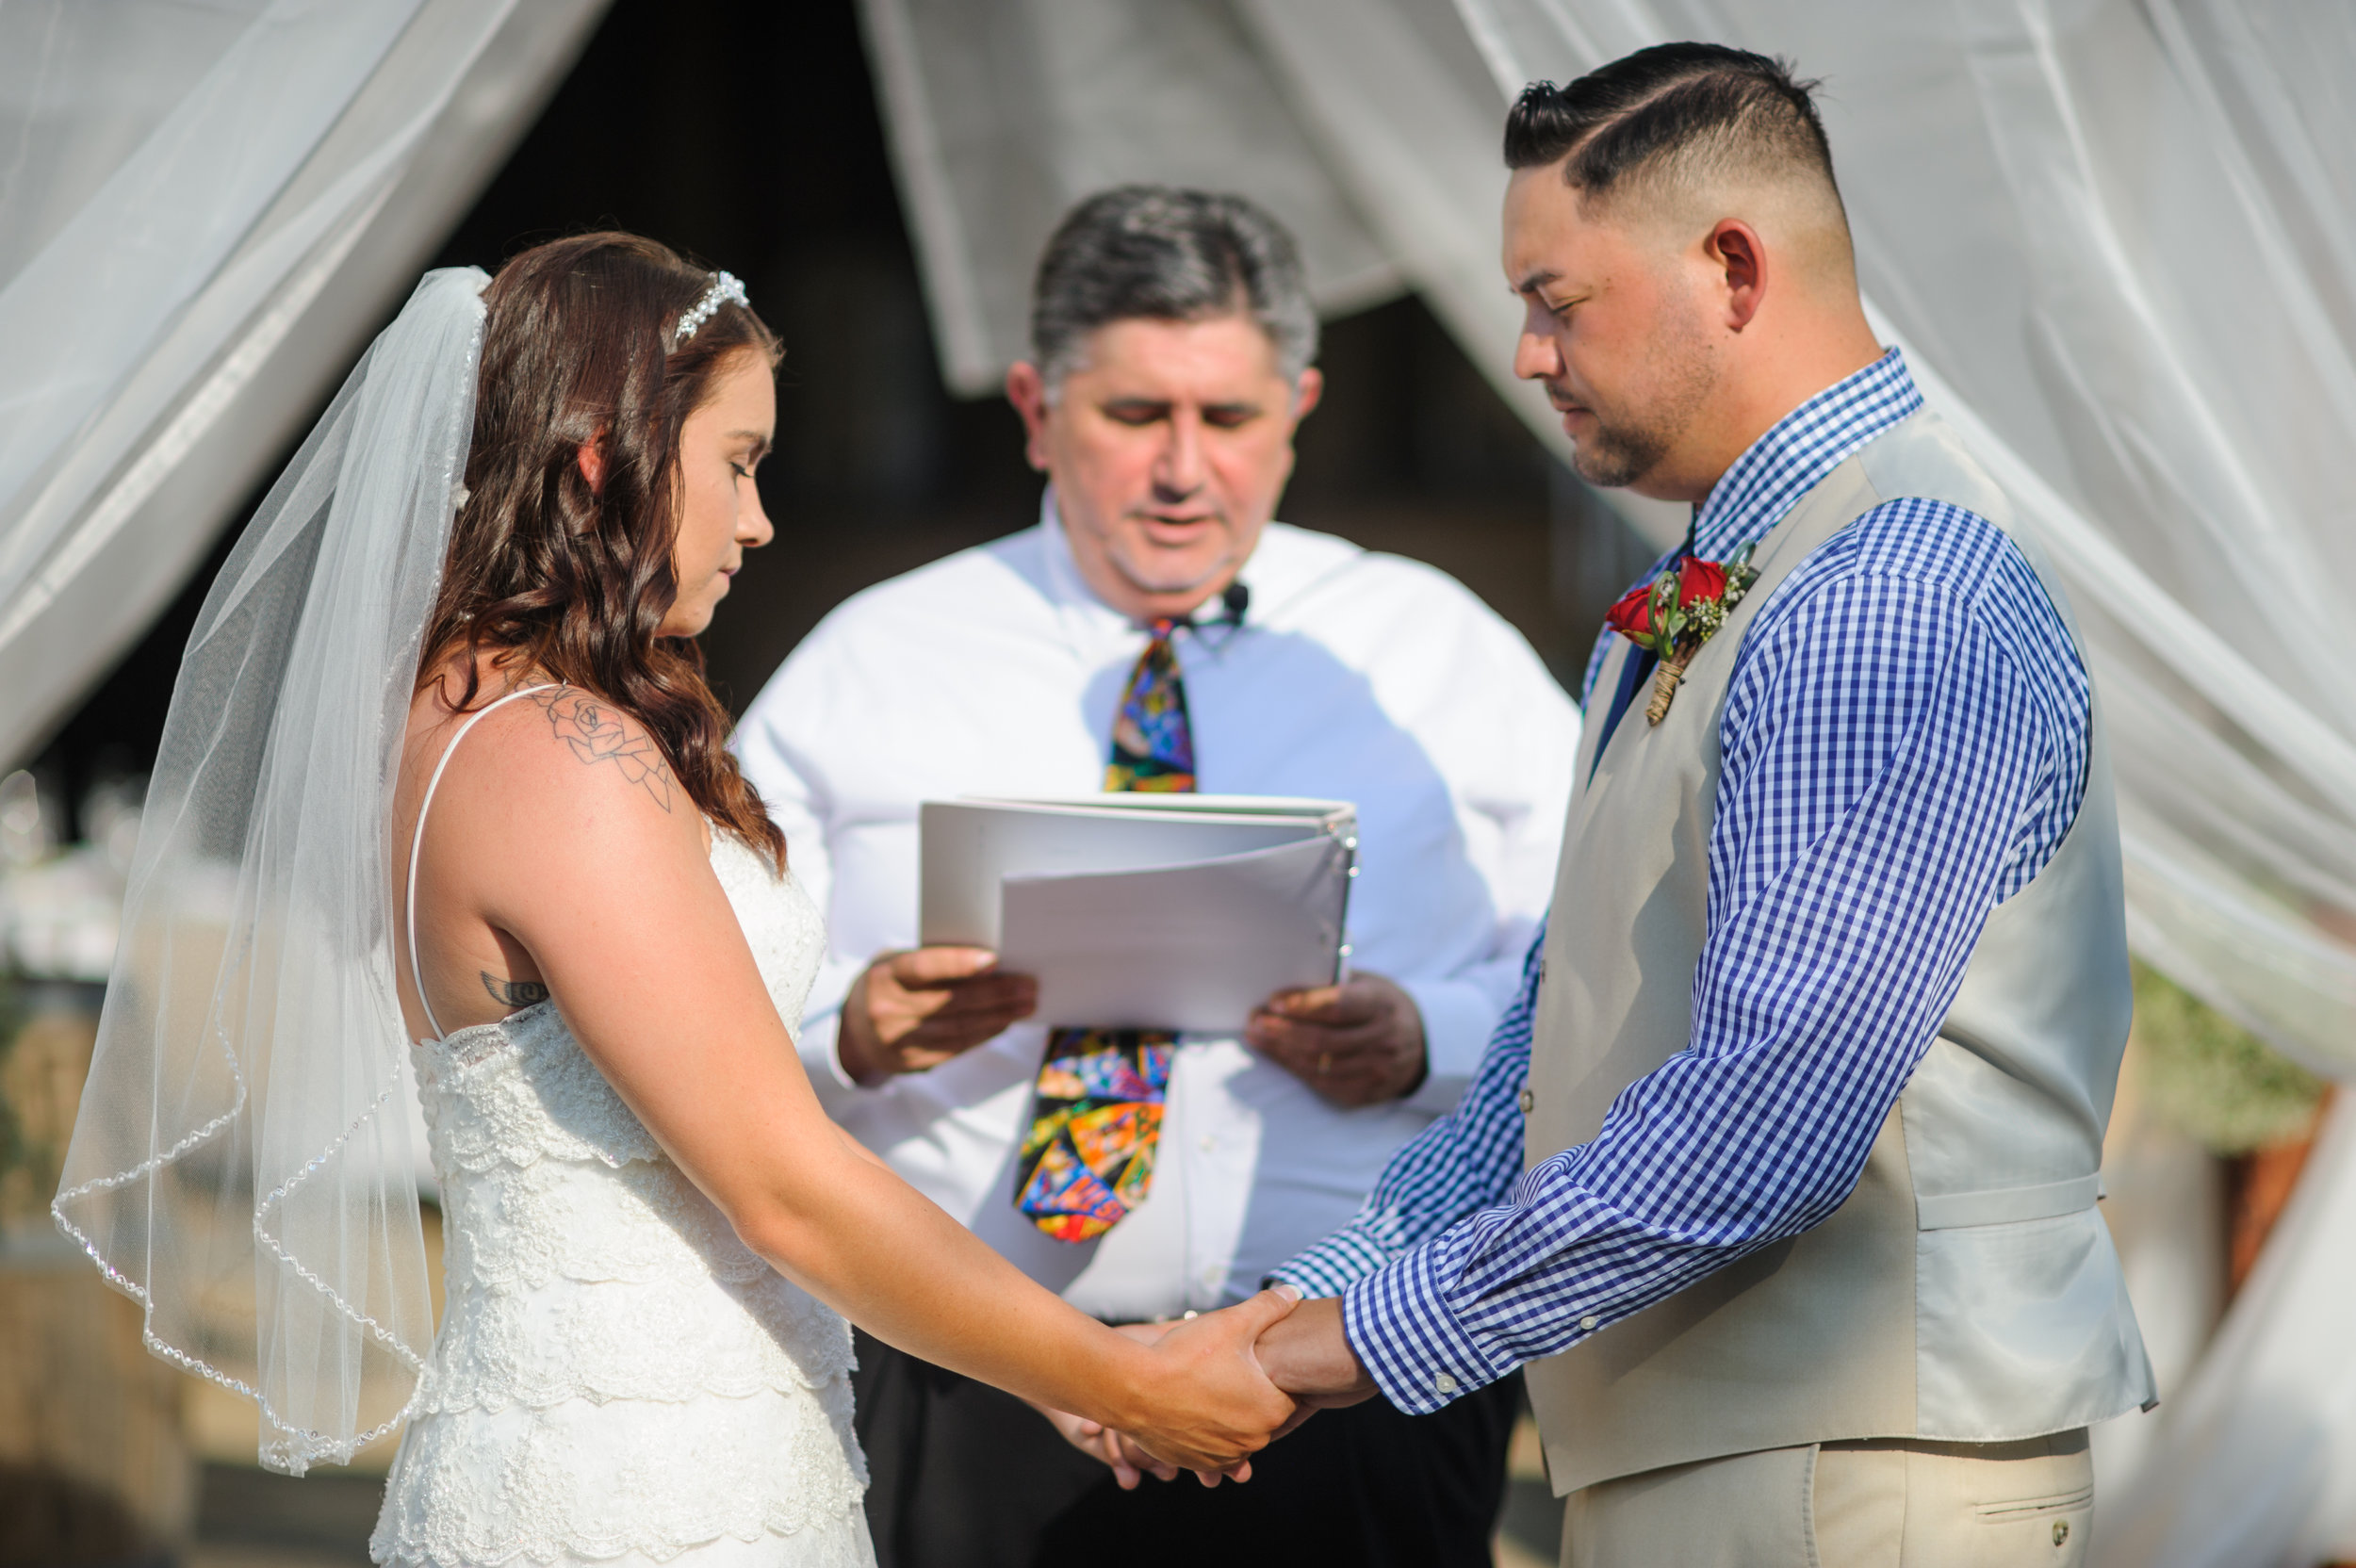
(963, 1476)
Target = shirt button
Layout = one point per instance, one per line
(1589, 1323)
(1444, 1384)
(1212, 1277)
(1209, 1143)
(1529, 1102)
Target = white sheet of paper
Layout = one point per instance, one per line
(971, 846)
(1189, 947)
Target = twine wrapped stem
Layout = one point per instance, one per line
(1666, 675)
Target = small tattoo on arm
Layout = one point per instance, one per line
(599, 734)
(514, 993)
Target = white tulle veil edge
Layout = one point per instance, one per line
(240, 1163)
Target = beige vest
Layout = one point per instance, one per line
(1967, 1290)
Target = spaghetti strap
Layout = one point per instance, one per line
(417, 839)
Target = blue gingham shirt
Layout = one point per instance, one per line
(1904, 742)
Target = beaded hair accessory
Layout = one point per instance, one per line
(725, 288)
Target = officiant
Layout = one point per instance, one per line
(1155, 630)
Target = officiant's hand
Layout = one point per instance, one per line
(1358, 1043)
(912, 1010)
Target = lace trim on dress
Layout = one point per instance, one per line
(783, 926)
(540, 1486)
(519, 1090)
(520, 1229)
(671, 1341)
(479, 1042)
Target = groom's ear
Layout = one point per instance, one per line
(1742, 258)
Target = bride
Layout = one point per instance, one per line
(442, 778)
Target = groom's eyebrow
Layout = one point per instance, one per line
(1531, 282)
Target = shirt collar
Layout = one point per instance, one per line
(1072, 594)
(1795, 455)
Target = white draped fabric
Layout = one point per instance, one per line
(2254, 1459)
(2111, 234)
(207, 206)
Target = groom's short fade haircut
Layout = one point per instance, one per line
(1673, 118)
(1155, 252)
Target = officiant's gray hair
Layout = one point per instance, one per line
(1152, 252)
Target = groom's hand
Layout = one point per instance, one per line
(1306, 1354)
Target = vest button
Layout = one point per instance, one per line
(2061, 1531)
(1529, 1102)
(1444, 1384)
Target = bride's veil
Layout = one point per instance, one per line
(242, 1164)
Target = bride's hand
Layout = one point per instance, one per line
(1204, 1405)
(1129, 1463)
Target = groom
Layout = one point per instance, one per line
(1780, 1177)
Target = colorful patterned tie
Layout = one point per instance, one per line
(1152, 743)
(1096, 1119)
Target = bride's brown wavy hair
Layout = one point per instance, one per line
(547, 573)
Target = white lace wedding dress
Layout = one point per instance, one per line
(618, 1380)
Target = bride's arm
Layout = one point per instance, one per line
(575, 840)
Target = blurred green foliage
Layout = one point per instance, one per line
(2209, 1077)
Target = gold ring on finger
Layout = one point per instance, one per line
(1325, 1063)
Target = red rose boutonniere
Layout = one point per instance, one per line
(1673, 615)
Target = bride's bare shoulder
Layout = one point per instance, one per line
(566, 724)
(555, 756)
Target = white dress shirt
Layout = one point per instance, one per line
(1356, 677)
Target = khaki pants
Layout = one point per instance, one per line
(1845, 1505)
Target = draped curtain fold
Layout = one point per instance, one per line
(2111, 236)
(205, 210)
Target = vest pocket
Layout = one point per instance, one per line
(1956, 1211)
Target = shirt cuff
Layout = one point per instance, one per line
(1457, 1019)
(1413, 1345)
(1333, 1265)
(823, 1063)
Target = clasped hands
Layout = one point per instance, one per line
(1299, 1363)
(1227, 1382)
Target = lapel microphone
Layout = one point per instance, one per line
(1232, 601)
